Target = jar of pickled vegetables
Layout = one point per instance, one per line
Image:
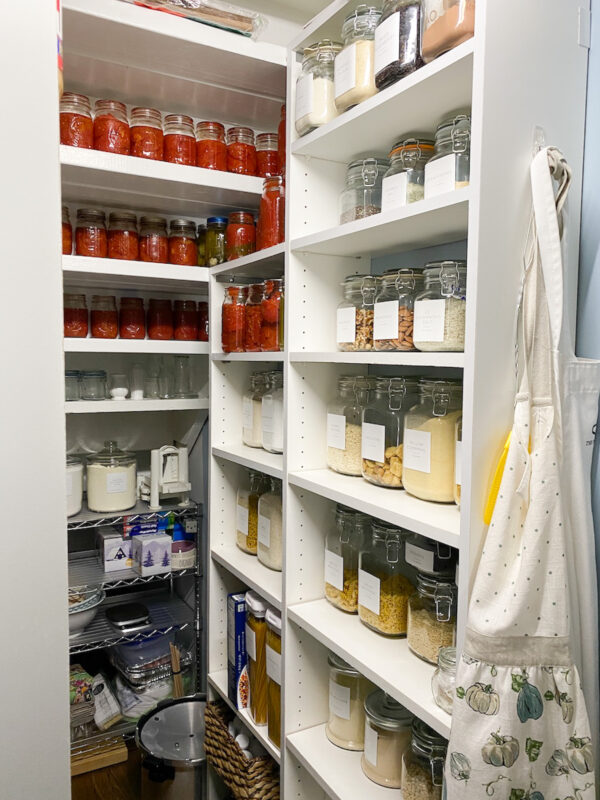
(269, 329)
(256, 641)
(147, 138)
(154, 242)
(241, 151)
(132, 319)
(160, 319)
(67, 232)
(457, 460)
(423, 764)
(211, 150)
(183, 249)
(432, 616)
(253, 323)
(342, 546)
(270, 229)
(123, 239)
(273, 660)
(202, 321)
(215, 240)
(347, 693)
(90, 233)
(267, 158)
(233, 318)
(111, 127)
(105, 324)
(75, 316)
(185, 321)
(281, 141)
(240, 235)
(76, 126)
(180, 141)
(247, 511)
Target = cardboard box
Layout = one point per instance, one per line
(237, 672)
(114, 550)
(151, 553)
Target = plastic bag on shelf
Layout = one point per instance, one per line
(216, 13)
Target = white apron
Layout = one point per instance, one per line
(520, 728)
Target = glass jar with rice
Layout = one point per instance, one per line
(432, 617)
(440, 309)
(423, 764)
(344, 420)
(342, 546)
(404, 181)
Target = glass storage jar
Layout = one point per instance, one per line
(111, 127)
(393, 317)
(247, 511)
(72, 382)
(179, 141)
(383, 588)
(446, 25)
(256, 642)
(423, 764)
(281, 320)
(342, 546)
(160, 319)
(93, 385)
(75, 316)
(281, 140)
(457, 460)
(146, 134)
(354, 68)
(111, 479)
(439, 319)
(430, 557)
(347, 692)
(272, 414)
(76, 126)
(74, 485)
(404, 182)
(252, 410)
(202, 321)
(267, 158)
(201, 245)
(154, 242)
(383, 430)
(354, 315)
(67, 232)
(215, 240)
(273, 658)
(103, 317)
(211, 150)
(444, 678)
(428, 465)
(185, 321)
(183, 249)
(132, 318)
(432, 616)
(387, 737)
(241, 151)
(449, 166)
(270, 529)
(361, 196)
(269, 309)
(233, 318)
(397, 41)
(240, 235)
(123, 239)
(90, 233)
(344, 421)
(270, 228)
(253, 318)
(315, 92)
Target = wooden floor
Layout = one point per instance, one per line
(121, 782)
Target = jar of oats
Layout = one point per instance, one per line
(347, 692)
(342, 546)
(344, 420)
(423, 764)
(432, 617)
(383, 585)
(354, 317)
(394, 309)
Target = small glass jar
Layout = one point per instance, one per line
(383, 430)
(387, 738)
(449, 166)
(270, 228)
(404, 182)
(111, 127)
(430, 557)
(354, 316)
(180, 141)
(273, 657)
(397, 41)
(103, 317)
(428, 454)
(342, 545)
(432, 617)
(347, 692)
(267, 158)
(440, 309)
(269, 309)
(354, 68)
(202, 321)
(90, 233)
(247, 512)
(183, 249)
(93, 385)
(444, 678)
(76, 125)
(446, 25)
(240, 235)
(344, 421)
(423, 764)
(160, 319)
(457, 460)
(201, 245)
(252, 410)
(241, 151)
(67, 233)
(154, 242)
(315, 92)
(211, 150)
(146, 134)
(361, 196)
(272, 414)
(215, 240)
(74, 485)
(75, 316)
(394, 309)
(233, 318)
(253, 322)
(281, 140)
(123, 239)
(270, 530)
(185, 321)
(256, 641)
(72, 384)
(132, 318)
(383, 586)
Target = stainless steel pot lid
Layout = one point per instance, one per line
(174, 732)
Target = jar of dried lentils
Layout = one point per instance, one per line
(105, 324)
(146, 134)
(123, 239)
(233, 318)
(215, 240)
(267, 157)
(179, 142)
(432, 616)
(67, 232)
(240, 235)
(154, 242)
(361, 196)
(185, 321)
(270, 229)
(241, 151)
(160, 319)
(269, 306)
(394, 309)
(211, 150)
(183, 249)
(342, 545)
(354, 316)
(90, 233)
(132, 318)
(253, 318)
(76, 125)
(75, 316)
(111, 127)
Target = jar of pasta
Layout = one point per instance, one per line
(354, 316)
(397, 41)
(272, 414)
(247, 511)
(404, 182)
(354, 69)
(233, 318)
(252, 410)
(423, 764)
(132, 319)
(430, 557)
(273, 658)
(342, 545)
(111, 127)
(67, 232)
(154, 242)
(446, 25)
(104, 321)
(76, 126)
(315, 93)
(256, 641)
(270, 528)
(344, 421)
(361, 196)
(429, 449)
(383, 430)
(75, 316)
(383, 588)
(90, 233)
(432, 616)
(240, 235)
(241, 151)
(387, 738)
(393, 317)
(267, 158)
(444, 678)
(449, 166)
(347, 692)
(183, 249)
(253, 318)
(270, 228)
(215, 240)
(211, 150)
(457, 460)
(123, 239)
(180, 141)
(147, 133)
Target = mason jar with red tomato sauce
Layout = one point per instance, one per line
(183, 248)
(75, 315)
(233, 318)
(281, 141)
(146, 134)
(202, 321)
(269, 329)
(185, 321)
(180, 142)
(76, 125)
(270, 229)
(67, 232)
(240, 235)
(253, 318)
(160, 319)
(111, 127)
(132, 320)
(241, 151)
(211, 150)
(154, 242)
(90, 233)
(105, 323)
(123, 239)
(267, 157)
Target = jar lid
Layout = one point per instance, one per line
(386, 531)
(342, 666)
(72, 373)
(206, 125)
(386, 712)
(141, 114)
(363, 18)
(430, 557)
(413, 145)
(74, 99)
(74, 298)
(426, 738)
(91, 213)
(73, 461)
(435, 270)
(123, 216)
(458, 120)
(111, 105)
(255, 604)
(151, 220)
(435, 585)
(447, 658)
(324, 50)
(405, 385)
(182, 226)
(367, 165)
(216, 221)
(179, 120)
(428, 387)
(111, 456)
(273, 619)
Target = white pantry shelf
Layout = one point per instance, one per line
(124, 406)
(153, 346)
(326, 24)
(392, 359)
(119, 274)
(247, 356)
(385, 661)
(252, 458)
(267, 263)
(248, 568)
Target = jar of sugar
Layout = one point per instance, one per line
(315, 103)
(354, 69)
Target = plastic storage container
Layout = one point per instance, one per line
(90, 233)
(354, 315)
(240, 235)
(354, 69)
(272, 414)
(444, 679)
(361, 196)
(154, 242)
(146, 134)
(215, 240)
(273, 659)
(347, 692)
(256, 640)
(343, 543)
(344, 421)
(446, 25)
(179, 141)
(387, 738)
(233, 318)
(74, 485)
(76, 125)
(123, 239)
(211, 150)
(432, 617)
(423, 764)
(111, 127)
(247, 511)
(393, 320)
(404, 182)
(315, 91)
(450, 165)
(111, 479)
(270, 528)
(397, 41)
(252, 410)
(75, 316)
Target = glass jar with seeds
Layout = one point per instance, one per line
(344, 420)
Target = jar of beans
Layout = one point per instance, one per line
(123, 240)
(105, 324)
(267, 157)
(147, 133)
(67, 233)
(185, 320)
(160, 319)
(76, 125)
(233, 318)
(180, 142)
(132, 319)
(211, 150)
(111, 127)
(90, 233)
(154, 242)
(182, 243)
(75, 316)
(241, 151)
(240, 235)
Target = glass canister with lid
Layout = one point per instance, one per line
(183, 249)
(111, 479)
(387, 738)
(432, 616)
(93, 385)
(430, 557)
(342, 547)
(457, 460)
(256, 641)
(393, 319)
(215, 240)
(444, 679)
(154, 242)
(270, 528)
(74, 485)
(273, 658)
(383, 585)
(252, 410)
(446, 24)
(344, 421)
(146, 132)
(123, 239)
(440, 309)
(347, 692)
(423, 764)
(361, 196)
(315, 93)
(247, 511)
(397, 41)
(354, 315)
(383, 430)
(449, 166)
(272, 414)
(354, 69)
(233, 318)
(404, 182)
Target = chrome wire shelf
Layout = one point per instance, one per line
(85, 571)
(98, 741)
(87, 519)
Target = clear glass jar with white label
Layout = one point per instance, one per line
(111, 479)
(273, 658)
(444, 679)
(252, 410)
(361, 196)
(440, 309)
(457, 460)
(74, 485)
(354, 69)
(432, 616)
(393, 316)
(397, 41)
(428, 453)
(256, 656)
(354, 315)
(450, 166)
(430, 557)
(383, 583)
(247, 511)
(446, 24)
(344, 422)
(315, 90)
(343, 543)
(423, 764)
(383, 430)
(272, 414)
(347, 692)
(270, 528)
(404, 182)
(388, 736)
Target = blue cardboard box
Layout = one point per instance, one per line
(237, 673)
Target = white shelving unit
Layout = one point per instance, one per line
(115, 273)
(125, 406)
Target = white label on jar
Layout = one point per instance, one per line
(336, 431)
(304, 96)
(116, 482)
(387, 42)
(368, 591)
(344, 70)
(440, 176)
(370, 745)
(418, 557)
(417, 450)
(385, 320)
(69, 484)
(339, 700)
(373, 442)
(429, 320)
(334, 570)
(457, 463)
(346, 325)
(250, 643)
(267, 415)
(247, 413)
(264, 531)
(393, 191)
(242, 520)
(273, 665)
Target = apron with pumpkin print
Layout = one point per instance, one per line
(520, 728)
